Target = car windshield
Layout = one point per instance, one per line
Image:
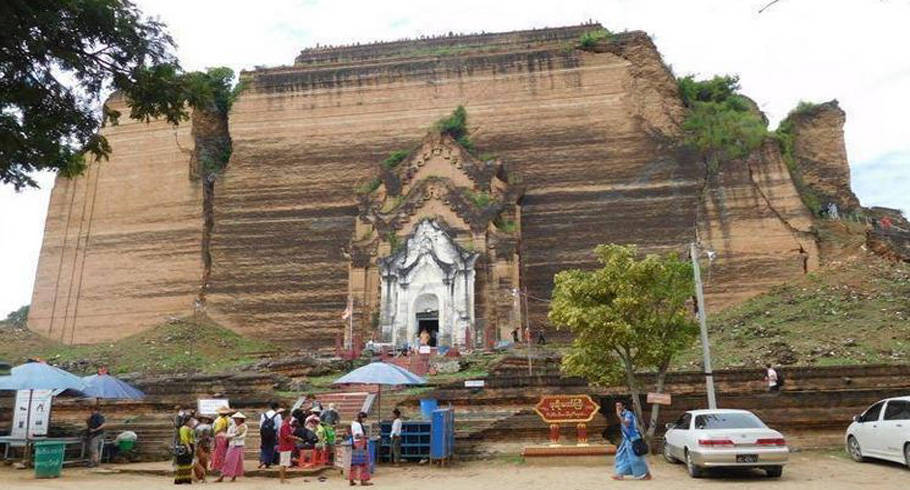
(728, 421)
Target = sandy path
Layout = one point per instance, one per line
(808, 470)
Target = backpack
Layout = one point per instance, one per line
(267, 430)
(780, 377)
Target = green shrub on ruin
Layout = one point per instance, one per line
(395, 158)
(721, 124)
(594, 37)
(480, 199)
(395, 243)
(505, 225)
(456, 126)
(370, 186)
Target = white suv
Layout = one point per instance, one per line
(882, 431)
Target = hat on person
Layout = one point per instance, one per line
(238, 415)
(224, 410)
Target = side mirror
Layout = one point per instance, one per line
(670, 425)
(858, 419)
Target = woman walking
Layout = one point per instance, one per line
(220, 428)
(236, 436)
(627, 461)
(183, 454)
(360, 459)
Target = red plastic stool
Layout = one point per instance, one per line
(307, 458)
(322, 457)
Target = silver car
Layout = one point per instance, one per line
(723, 439)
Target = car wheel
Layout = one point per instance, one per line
(774, 471)
(907, 454)
(667, 456)
(694, 470)
(854, 450)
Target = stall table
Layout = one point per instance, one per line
(10, 441)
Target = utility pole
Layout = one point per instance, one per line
(528, 332)
(705, 348)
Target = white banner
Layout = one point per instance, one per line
(210, 406)
(40, 413)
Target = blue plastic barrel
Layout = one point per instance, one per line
(427, 407)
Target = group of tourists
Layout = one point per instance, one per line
(203, 445)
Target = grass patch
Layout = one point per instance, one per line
(592, 38)
(510, 458)
(178, 346)
(852, 313)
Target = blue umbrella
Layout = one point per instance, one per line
(33, 376)
(107, 386)
(40, 376)
(380, 373)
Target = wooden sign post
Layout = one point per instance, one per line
(567, 409)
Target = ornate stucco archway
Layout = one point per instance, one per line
(430, 273)
(437, 223)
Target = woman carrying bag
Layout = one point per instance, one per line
(630, 455)
(183, 454)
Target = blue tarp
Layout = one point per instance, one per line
(40, 376)
(107, 386)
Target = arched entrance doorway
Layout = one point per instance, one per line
(426, 316)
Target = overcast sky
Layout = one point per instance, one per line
(814, 50)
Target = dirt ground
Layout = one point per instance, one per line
(807, 470)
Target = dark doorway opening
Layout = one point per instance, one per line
(429, 321)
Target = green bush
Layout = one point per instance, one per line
(505, 225)
(395, 158)
(590, 39)
(456, 126)
(480, 199)
(370, 186)
(721, 124)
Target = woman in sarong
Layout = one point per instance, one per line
(360, 458)
(183, 454)
(627, 462)
(236, 436)
(220, 429)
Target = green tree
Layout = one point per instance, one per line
(722, 124)
(627, 316)
(17, 318)
(58, 58)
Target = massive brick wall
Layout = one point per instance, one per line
(585, 133)
(594, 134)
(121, 243)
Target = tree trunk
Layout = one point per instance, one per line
(655, 408)
(632, 381)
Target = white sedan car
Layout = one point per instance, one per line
(724, 439)
(882, 431)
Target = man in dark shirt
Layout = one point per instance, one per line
(95, 435)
